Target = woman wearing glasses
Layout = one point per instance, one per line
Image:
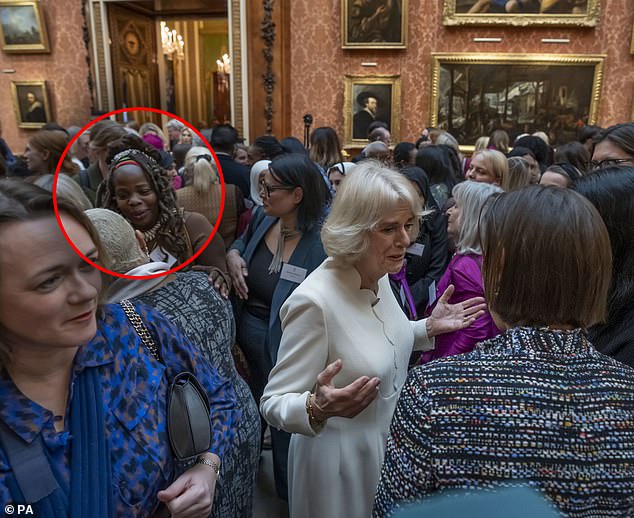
(279, 249)
(615, 146)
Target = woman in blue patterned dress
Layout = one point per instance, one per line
(80, 396)
(538, 405)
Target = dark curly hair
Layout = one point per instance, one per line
(171, 233)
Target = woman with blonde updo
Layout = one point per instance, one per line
(203, 193)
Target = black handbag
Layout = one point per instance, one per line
(188, 421)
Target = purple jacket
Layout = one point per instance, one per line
(464, 272)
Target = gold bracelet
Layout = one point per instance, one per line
(312, 420)
(208, 462)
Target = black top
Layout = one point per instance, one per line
(261, 284)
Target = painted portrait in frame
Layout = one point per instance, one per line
(374, 24)
(368, 99)
(475, 94)
(583, 13)
(31, 103)
(22, 27)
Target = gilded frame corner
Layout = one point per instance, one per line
(595, 60)
(43, 46)
(346, 42)
(394, 82)
(588, 19)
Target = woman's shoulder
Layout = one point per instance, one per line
(466, 262)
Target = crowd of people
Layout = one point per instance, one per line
(395, 326)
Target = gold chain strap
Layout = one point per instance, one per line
(141, 329)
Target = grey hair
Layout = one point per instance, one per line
(173, 123)
(369, 194)
(118, 239)
(470, 199)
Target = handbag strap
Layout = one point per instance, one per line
(141, 329)
(31, 467)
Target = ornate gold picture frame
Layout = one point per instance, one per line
(474, 94)
(374, 24)
(31, 104)
(22, 27)
(367, 99)
(583, 13)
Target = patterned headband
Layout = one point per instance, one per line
(128, 156)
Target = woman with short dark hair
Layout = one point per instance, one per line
(611, 191)
(537, 405)
(614, 146)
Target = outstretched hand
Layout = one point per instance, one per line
(347, 401)
(446, 317)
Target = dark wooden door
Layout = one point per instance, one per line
(134, 60)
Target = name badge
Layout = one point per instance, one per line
(431, 293)
(293, 273)
(416, 249)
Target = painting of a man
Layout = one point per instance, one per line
(31, 104)
(34, 110)
(368, 103)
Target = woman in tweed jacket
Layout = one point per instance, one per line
(537, 405)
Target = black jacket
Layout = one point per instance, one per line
(235, 174)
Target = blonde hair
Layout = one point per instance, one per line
(481, 144)
(497, 163)
(370, 193)
(519, 174)
(470, 198)
(201, 168)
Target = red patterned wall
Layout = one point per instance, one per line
(64, 69)
(319, 64)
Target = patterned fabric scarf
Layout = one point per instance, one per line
(90, 491)
(285, 234)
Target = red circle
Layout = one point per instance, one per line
(122, 275)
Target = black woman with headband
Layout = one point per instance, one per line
(138, 189)
(203, 193)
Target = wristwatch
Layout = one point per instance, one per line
(211, 463)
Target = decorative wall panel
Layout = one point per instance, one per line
(64, 69)
(318, 64)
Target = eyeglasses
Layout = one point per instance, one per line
(593, 164)
(266, 189)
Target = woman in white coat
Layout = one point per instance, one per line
(345, 347)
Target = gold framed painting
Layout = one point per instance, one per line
(475, 94)
(583, 13)
(368, 99)
(374, 24)
(22, 27)
(31, 104)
